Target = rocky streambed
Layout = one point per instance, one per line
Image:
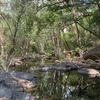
(14, 83)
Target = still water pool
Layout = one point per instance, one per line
(65, 86)
(57, 85)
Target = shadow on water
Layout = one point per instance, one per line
(56, 85)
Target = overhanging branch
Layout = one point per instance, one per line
(87, 29)
(64, 6)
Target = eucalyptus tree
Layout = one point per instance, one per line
(48, 22)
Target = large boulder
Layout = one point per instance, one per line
(93, 53)
(12, 83)
(18, 80)
(11, 94)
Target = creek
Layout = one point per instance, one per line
(57, 85)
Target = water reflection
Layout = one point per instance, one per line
(56, 85)
(53, 86)
(64, 86)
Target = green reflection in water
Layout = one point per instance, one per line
(64, 86)
(56, 85)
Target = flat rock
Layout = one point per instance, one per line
(89, 72)
(64, 66)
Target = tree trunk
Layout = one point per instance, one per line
(74, 14)
(41, 47)
(56, 42)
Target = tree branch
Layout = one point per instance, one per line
(66, 5)
(89, 30)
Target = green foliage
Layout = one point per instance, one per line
(96, 18)
(62, 56)
(35, 48)
(73, 79)
(17, 52)
(42, 25)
